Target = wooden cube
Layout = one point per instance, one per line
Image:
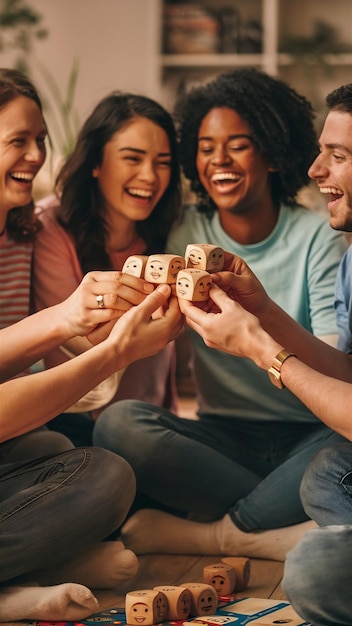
(242, 567)
(220, 576)
(204, 256)
(204, 600)
(145, 607)
(135, 265)
(163, 268)
(193, 285)
(179, 600)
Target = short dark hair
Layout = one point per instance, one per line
(80, 211)
(21, 223)
(281, 123)
(340, 99)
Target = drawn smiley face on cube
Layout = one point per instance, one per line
(179, 601)
(163, 268)
(204, 256)
(204, 598)
(146, 607)
(135, 265)
(220, 576)
(193, 285)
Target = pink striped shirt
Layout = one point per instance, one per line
(15, 277)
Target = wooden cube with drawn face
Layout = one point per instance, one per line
(145, 607)
(193, 285)
(163, 268)
(204, 256)
(220, 576)
(135, 265)
(179, 601)
(204, 600)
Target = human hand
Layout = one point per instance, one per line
(242, 285)
(225, 325)
(139, 333)
(81, 313)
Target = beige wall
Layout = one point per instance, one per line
(111, 39)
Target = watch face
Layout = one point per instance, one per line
(275, 378)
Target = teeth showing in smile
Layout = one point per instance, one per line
(331, 190)
(141, 193)
(224, 176)
(22, 176)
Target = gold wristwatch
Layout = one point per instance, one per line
(274, 372)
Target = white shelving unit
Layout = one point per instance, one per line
(278, 18)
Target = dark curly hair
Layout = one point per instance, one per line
(81, 212)
(340, 99)
(281, 123)
(21, 223)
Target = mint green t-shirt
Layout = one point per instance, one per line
(297, 264)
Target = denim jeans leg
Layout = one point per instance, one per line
(53, 508)
(276, 501)
(178, 462)
(317, 576)
(326, 489)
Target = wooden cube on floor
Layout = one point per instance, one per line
(204, 598)
(145, 606)
(179, 600)
(220, 576)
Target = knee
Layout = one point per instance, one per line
(330, 465)
(111, 466)
(112, 480)
(317, 575)
(113, 423)
(313, 475)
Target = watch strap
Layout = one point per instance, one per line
(274, 370)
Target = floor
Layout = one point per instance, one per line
(157, 569)
(264, 582)
(265, 579)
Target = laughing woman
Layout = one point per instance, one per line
(117, 194)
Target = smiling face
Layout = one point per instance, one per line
(22, 151)
(135, 265)
(207, 602)
(230, 168)
(135, 171)
(332, 169)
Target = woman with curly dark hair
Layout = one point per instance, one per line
(246, 142)
(118, 194)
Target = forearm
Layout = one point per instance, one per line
(309, 349)
(328, 398)
(27, 341)
(31, 401)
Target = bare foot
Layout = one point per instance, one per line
(106, 565)
(151, 531)
(59, 603)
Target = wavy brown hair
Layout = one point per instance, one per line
(81, 211)
(21, 223)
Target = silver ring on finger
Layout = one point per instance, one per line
(100, 302)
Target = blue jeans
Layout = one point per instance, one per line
(317, 576)
(326, 489)
(318, 571)
(53, 508)
(214, 465)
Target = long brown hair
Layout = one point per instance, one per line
(80, 212)
(21, 223)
